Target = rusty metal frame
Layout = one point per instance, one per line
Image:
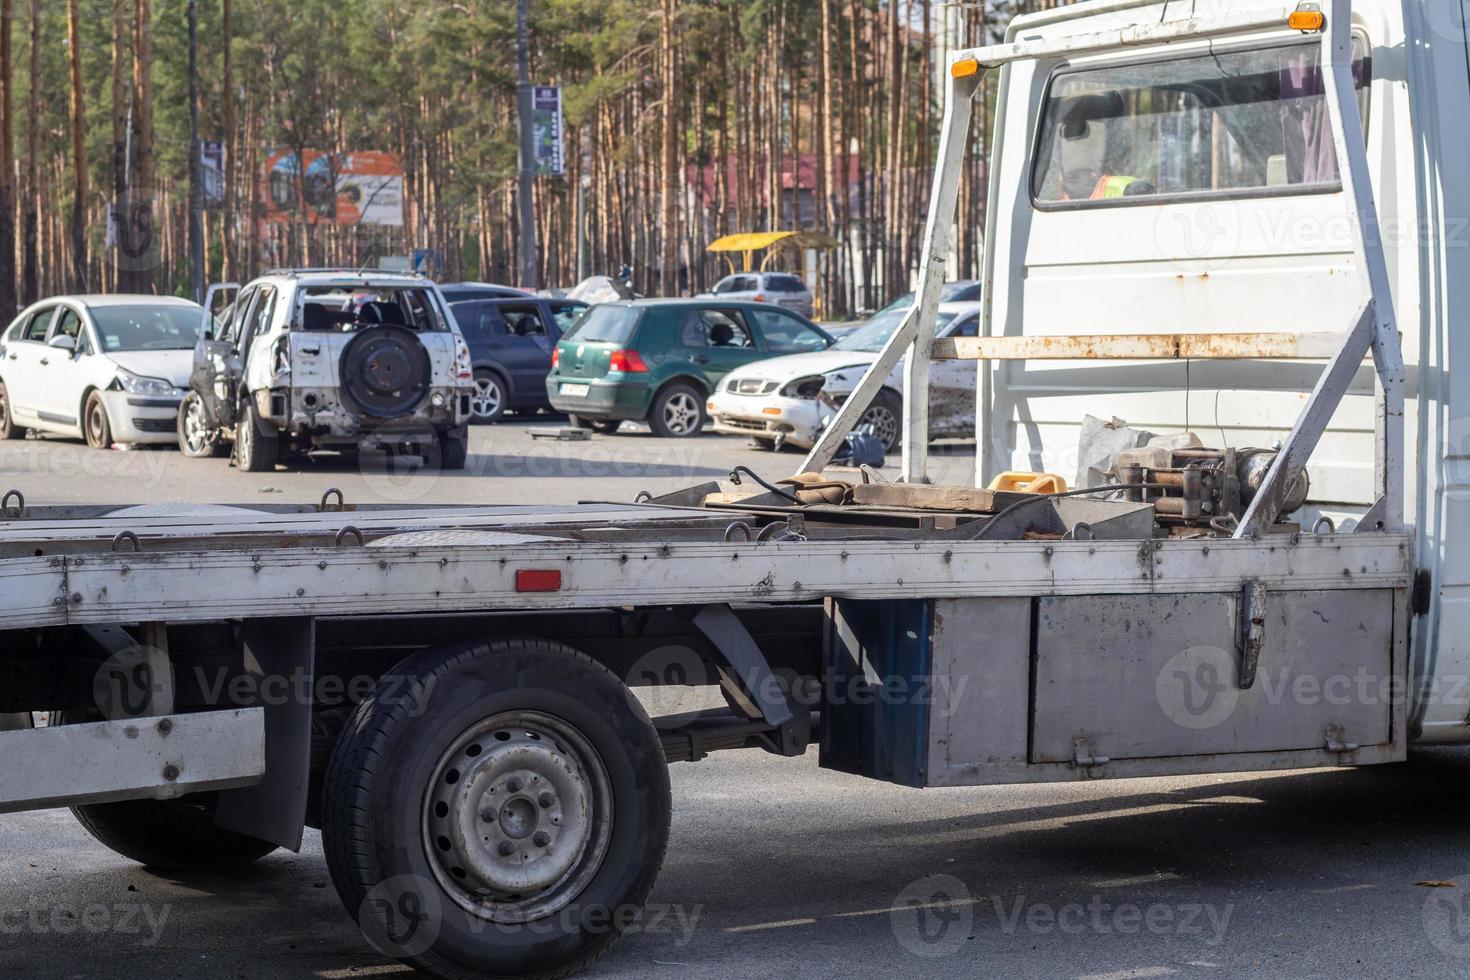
(1142, 347)
(1375, 329)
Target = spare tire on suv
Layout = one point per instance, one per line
(385, 371)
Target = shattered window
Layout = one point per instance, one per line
(1231, 122)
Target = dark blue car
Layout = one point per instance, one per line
(511, 341)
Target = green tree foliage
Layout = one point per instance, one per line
(433, 82)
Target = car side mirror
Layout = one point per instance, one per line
(63, 342)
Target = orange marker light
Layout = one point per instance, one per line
(1307, 20)
(965, 68)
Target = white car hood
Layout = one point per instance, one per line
(171, 365)
(793, 366)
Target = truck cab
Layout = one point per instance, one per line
(1194, 187)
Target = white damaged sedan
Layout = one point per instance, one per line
(111, 369)
(790, 400)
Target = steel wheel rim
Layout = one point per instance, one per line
(196, 432)
(485, 402)
(681, 413)
(884, 425)
(95, 422)
(517, 817)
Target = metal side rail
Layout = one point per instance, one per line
(1375, 330)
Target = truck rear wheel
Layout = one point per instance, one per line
(496, 809)
(170, 835)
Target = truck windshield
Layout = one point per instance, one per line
(604, 325)
(1226, 123)
(148, 327)
(872, 337)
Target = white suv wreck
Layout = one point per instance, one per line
(330, 359)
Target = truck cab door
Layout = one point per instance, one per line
(218, 364)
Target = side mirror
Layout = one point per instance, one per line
(63, 342)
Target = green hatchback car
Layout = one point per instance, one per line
(661, 359)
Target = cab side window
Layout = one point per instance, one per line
(259, 319)
(714, 328)
(40, 324)
(524, 321)
(230, 333)
(785, 334)
(70, 325)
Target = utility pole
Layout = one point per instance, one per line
(196, 190)
(525, 108)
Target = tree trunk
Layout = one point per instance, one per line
(7, 168)
(668, 235)
(78, 142)
(231, 144)
(30, 288)
(143, 247)
(121, 106)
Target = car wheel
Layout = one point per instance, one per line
(95, 424)
(454, 448)
(511, 797)
(254, 453)
(487, 403)
(678, 412)
(196, 439)
(8, 428)
(885, 418)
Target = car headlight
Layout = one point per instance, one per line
(804, 387)
(138, 385)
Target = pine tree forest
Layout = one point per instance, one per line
(685, 120)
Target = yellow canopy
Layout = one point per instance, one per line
(749, 242)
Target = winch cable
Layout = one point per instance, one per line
(735, 479)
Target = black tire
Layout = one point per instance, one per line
(487, 404)
(456, 723)
(96, 426)
(196, 440)
(886, 417)
(170, 835)
(604, 426)
(254, 452)
(454, 448)
(8, 428)
(677, 412)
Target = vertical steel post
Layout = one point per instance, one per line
(526, 197)
(915, 334)
(196, 178)
(1352, 154)
(1378, 330)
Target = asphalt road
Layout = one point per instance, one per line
(506, 465)
(779, 868)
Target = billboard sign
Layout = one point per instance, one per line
(546, 118)
(334, 188)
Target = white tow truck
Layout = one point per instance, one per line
(495, 802)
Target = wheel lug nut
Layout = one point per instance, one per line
(513, 784)
(541, 839)
(488, 814)
(546, 800)
(505, 849)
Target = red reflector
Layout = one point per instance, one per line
(538, 580)
(626, 361)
